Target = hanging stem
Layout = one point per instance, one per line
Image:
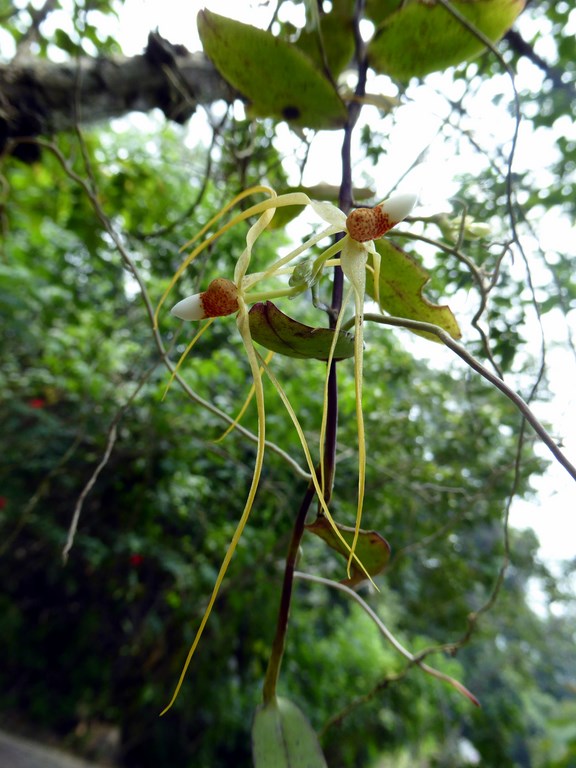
(345, 202)
(277, 652)
(329, 458)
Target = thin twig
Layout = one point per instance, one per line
(110, 443)
(514, 397)
(112, 434)
(42, 489)
(416, 660)
(192, 395)
(477, 276)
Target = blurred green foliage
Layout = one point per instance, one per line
(103, 637)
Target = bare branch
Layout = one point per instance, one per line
(163, 353)
(514, 397)
(523, 48)
(39, 97)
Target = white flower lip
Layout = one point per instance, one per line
(398, 207)
(190, 308)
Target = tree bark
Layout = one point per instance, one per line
(39, 97)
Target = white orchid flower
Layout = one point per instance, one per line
(233, 296)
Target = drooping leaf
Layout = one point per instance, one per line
(401, 282)
(372, 550)
(281, 333)
(422, 37)
(332, 44)
(343, 7)
(277, 79)
(282, 737)
(378, 10)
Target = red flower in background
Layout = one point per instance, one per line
(37, 402)
(3, 502)
(136, 560)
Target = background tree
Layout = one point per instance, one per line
(85, 429)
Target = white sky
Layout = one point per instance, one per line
(552, 514)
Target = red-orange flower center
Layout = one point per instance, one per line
(368, 224)
(220, 298)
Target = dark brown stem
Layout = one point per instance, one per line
(275, 661)
(329, 458)
(523, 48)
(346, 203)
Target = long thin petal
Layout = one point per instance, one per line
(253, 234)
(245, 404)
(309, 461)
(353, 261)
(244, 328)
(205, 243)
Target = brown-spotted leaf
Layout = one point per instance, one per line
(401, 282)
(372, 550)
(281, 333)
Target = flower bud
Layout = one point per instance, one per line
(219, 299)
(371, 223)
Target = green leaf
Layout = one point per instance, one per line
(423, 37)
(280, 333)
(334, 41)
(277, 79)
(282, 737)
(378, 10)
(372, 550)
(401, 282)
(64, 41)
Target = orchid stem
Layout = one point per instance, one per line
(279, 642)
(329, 452)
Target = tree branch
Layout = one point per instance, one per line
(476, 365)
(41, 97)
(522, 48)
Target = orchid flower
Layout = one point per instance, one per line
(225, 296)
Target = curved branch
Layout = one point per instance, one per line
(514, 397)
(163, 353)
(522, 48)
(394, 642)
